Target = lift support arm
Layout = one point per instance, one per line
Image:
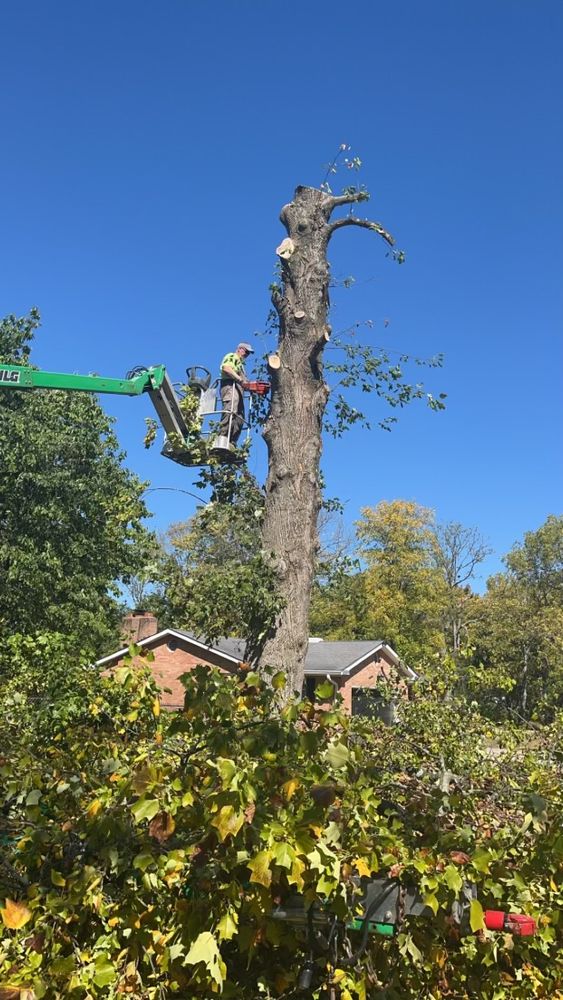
(155, 381)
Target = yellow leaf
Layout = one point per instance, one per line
(57, 878)
(476, 916)
(296, 875)
(228, 822)
(431, 901)
(440, 957)
(93, 809)
(15, 915)
(227, 926)
(361, 866)
(260, 868)
(290, 787)
(156, 708)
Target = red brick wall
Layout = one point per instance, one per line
(169, 665)
(367, 676)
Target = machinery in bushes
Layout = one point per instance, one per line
(380, 907)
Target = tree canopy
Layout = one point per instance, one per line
(71, 514)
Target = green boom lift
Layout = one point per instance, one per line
(179, 445)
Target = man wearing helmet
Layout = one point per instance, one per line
(233, 382)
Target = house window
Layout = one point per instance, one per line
(369, 703)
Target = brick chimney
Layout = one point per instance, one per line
(138, 624)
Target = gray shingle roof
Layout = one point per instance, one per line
(328, 657)
(324, 657)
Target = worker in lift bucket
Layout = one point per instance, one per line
(233, 382)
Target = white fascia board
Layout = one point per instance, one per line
(172, 633)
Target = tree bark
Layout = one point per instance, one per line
(293, 431)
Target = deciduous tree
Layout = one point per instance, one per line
(405, 589)
(70, 512)
(520, 638)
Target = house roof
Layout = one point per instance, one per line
(323, 657)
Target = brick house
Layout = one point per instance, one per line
(354, 667)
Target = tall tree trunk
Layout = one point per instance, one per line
(293, 432)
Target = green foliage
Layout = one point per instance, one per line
(340, 609)
(404, 588)
(371, 371)
(217, 579)
(70, 513)
(519, 635)
(145, 855)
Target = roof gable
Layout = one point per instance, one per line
(338, 658)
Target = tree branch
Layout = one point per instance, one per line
(351, 220)
(332, 201)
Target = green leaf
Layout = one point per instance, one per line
(145, 809)
(176, 951)
(227, 769)
(481, 860)
(338, 755)
(453, 878)
(33, 797)
(413, 949)
(431, 901)
(279, 680)
(204, 949)
(325, 691)
(283, 855)
(106, 971)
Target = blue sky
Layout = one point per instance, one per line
(148, 149)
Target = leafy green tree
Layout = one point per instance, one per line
(519, 639)
(405, 589)
(70, 512)
(215, 578)
(340, 609)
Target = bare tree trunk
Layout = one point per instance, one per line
(293, 432)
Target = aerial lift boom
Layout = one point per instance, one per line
(154, 380)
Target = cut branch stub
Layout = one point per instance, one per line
(274, 361)
(286, 248)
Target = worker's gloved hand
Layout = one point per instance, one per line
(243, 385)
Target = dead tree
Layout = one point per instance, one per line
(293, 431)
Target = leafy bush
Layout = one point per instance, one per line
(144, 855)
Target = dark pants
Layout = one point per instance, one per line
(232, 402)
